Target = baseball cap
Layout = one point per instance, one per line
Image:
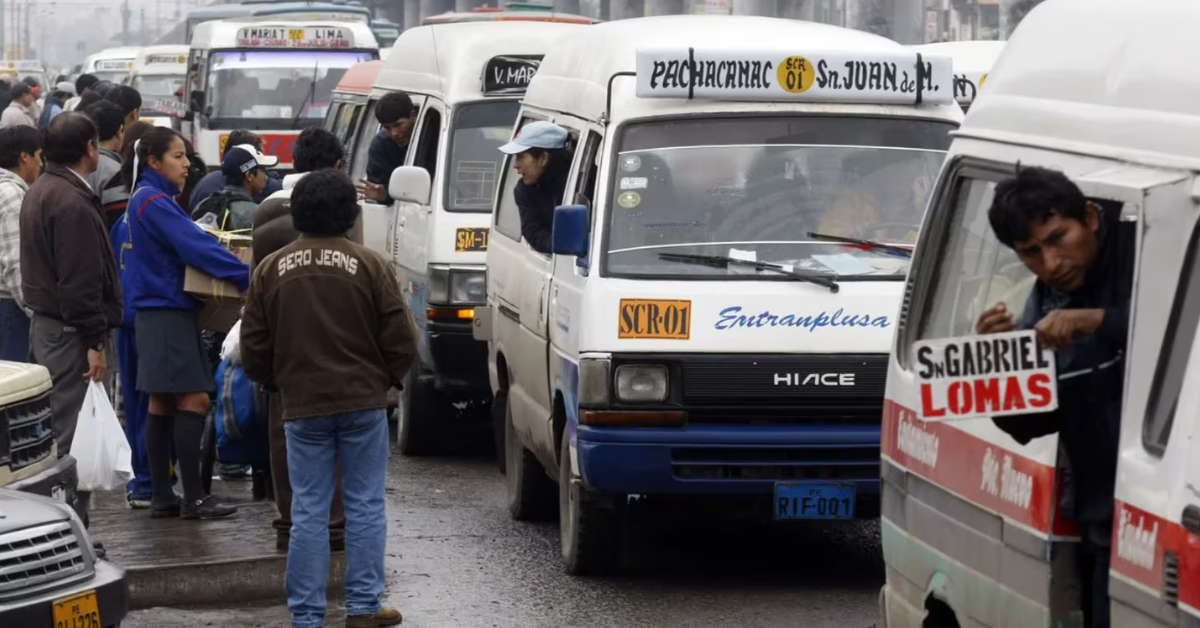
(243, 158)
(540, 134)
(64, 86)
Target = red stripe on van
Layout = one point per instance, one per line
(1140, 543)
(1019, 489)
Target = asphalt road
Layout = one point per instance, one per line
(456, 559)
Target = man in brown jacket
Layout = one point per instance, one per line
(316, 149)
(68, 271)
(325, 325)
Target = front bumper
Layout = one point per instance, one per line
(727, 460)
(57, 482)
(458, 361)
(112, 597)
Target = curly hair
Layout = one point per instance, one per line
(316, 149)
(324, 203)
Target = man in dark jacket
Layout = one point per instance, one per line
(397, 116)
(106, 180)
(1080, 308)
(232, 208)
(543, 164)
(68, 271)
(339, 301)
(316, 149)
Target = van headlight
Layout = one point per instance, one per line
(457, 287)
(641, 383)
(468, 287)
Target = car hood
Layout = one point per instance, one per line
(22, 510)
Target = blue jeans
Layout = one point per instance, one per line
(137, 410)
(14, 332)
(314, 446)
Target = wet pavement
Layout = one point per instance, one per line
(456, 559)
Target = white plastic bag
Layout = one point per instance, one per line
(100, 450)
(231, 348)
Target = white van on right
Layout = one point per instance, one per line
(972, 523)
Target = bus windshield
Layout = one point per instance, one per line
(275, 89)
(756, 188)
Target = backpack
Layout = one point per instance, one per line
(216, 211)
(239, 415)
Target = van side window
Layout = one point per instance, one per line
(332, 116)
(508, 217)
(589, 171)
(976, 271)
(427, 143)
(1177, 356)
(366, 133)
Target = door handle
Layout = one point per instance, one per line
(1191, 519)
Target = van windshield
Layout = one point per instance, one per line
(156, 86)
(754, 188)
(479, 130)
(273, 89)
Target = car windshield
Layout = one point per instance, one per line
(764, 189)
(116, 77)
(480, 129)
(272, 89)
(153, 87)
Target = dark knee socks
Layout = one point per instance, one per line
(160, 435)
(189, 430)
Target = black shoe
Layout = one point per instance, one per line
(160, 510)
(206, 508)
(233, 472)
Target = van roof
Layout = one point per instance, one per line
(505, 16)
(1098, 77)
(127, 52)
(223, 34)
(574, 77)
(449, 59)
(359, 78)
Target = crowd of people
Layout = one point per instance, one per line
(101, 215)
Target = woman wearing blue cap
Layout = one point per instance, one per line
(542, 161)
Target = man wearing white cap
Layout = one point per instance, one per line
(542, 161)
(232, 209)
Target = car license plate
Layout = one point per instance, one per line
(77, 611)
(814, 501)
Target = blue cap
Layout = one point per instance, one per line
(539, 134)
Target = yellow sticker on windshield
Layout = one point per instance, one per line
(629, 200)
(655, 318)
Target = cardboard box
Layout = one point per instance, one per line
(222, 301)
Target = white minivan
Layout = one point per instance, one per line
(728, 263)
(466, 80)
(975, 524)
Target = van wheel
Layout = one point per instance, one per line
(499, 415)
(530, 490)
(420, 417)
(588, 522)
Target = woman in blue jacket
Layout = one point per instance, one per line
(172, 367)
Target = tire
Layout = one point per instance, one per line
(588, 523)
(499, 417)
(419, 422)
(530, 490)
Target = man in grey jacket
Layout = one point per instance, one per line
(106, 181)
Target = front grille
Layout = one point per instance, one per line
(30, 431)
(823, 414)
(35, 556)
(777, 463)
(824, 379)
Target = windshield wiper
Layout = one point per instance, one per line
(310, 96)
(721, 261)
(867, 243)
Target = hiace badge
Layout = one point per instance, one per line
(985, 376)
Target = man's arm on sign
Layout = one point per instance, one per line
(994, 320)
(1060, 328)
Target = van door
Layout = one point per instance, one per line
(377, 218)
(1155, 577)
(569, 282)
(412, 223)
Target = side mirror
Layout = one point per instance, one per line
(410, 184)
(569, 235)
(198, 100)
